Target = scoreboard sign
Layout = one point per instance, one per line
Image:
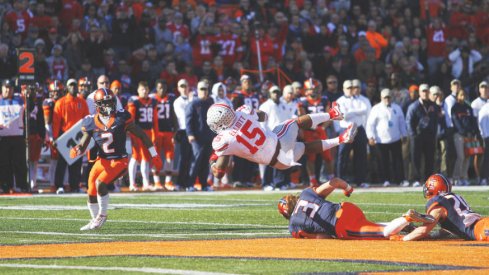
(26, 65)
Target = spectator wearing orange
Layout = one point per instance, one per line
(68, 110)
(116, 87)
(375, 39)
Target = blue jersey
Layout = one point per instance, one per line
(460, 218)
(314, 214)
(111, 140)
(314, 106)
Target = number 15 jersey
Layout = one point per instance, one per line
(246, 138)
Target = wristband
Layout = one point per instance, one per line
(152, 151)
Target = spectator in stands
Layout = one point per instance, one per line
(386, 129)
(375, 39)
(181, 138)
(219, 94)
(463, 60)
(465, 126)
(123, 32)
(68, 110)
(370, 68)
(12, 142)
(199, 136)
(455, 86)
(483, 120)
(436, 36)
(58, 66)
(8, 63)
(422, 121)
(476, 105)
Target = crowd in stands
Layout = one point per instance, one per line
(412, 74)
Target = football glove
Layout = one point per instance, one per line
(157, 163)
(75, 151)
(348, 191)
(335, 113)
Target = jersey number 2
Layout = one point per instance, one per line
(251, 134)
(108, 139)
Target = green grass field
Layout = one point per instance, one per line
(50, 219)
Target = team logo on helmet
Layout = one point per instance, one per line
(220, 117)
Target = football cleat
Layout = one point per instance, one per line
(349, 134)
(133, 188)
(95, 223)
(169, 186)
(414, 216)
(158, 186)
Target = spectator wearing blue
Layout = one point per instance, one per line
(386, 129)
(465, 126)
(199, 136)
(422, 119)
(12, 142)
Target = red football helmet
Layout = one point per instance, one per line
(105, 101)
(55, 89)
(286, 205)
(435, 185)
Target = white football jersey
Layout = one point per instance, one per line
(246, 138)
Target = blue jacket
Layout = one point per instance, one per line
(423, 119)
(196, 119)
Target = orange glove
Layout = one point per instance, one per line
(348, 191)
(157, 163)
(75, 151)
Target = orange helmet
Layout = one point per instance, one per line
(286, 205)
(55, 89)
(105, 101)
(84, 81)
(435, 185)
(311, 84)
(115, 84)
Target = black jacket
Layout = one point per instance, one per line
(422, 119)
(196, 119)
(464, 121)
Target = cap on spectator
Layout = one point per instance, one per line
(39, 42)
(356, 83)
(424, 87)
(115, 84)
(296, 85)
(385, 93)
(483, 83)
(435, 90)
(274, 88)
(203, 85)
(182, 82)
(57, 47)
(413, 88)
(53, 30)
(455, 81)
(362, 33)
(288, 89)
(347, 84)
(6, 82)
(71, 81)
(244, 77)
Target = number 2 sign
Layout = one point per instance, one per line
(26, 62)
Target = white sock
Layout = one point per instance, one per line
(33, 173)
(145, 172)
(156, 177)
(168, 177)
(395, 226)
(103, 204)
(330, 143)
(93, 208)
(318, 118)
(131, 169)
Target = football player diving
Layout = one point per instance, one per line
(108, 128)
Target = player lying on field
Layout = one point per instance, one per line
(450, 211)
(311, 216)
(240, 133)
(108, 128)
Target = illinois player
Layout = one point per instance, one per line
(311, 216)
(450, 211)
(143, 109)
(55, 90)
(311, 104)
(166, 128)
(108, 129)
(241, 134)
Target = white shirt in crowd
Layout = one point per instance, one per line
(276, 113)
(355, 109)
(484, 121)
(477, 105)
(386, 124)
(449, 102)
(291, 107)
(11, 114)
(179, 107)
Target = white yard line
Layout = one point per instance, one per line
(175, 235)
(149, 222)
(109, 268)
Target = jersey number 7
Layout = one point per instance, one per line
(250, 135)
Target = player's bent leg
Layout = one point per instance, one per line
(395, 226)
(481, 229)
(352, 224)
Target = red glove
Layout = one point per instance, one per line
(75, 151)
(349, 134)
(157, 163)
(348, 191)
(335, 113)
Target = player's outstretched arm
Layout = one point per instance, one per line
(336, 183)
(81, 147)
(424, 230)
